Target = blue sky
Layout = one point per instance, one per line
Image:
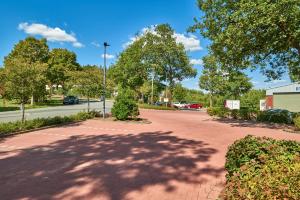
(82, 26)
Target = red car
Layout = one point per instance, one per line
(194, 106)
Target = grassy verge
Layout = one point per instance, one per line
(14, 127)
(13, 106)
(154, 107)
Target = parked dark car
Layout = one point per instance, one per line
(68, 100)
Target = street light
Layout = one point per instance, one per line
(105, 44)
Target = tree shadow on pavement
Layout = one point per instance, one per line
(107, 166)
(251, 124)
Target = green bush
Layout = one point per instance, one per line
(275, 116)
(263, 168)
(154, 107)
(296, 121)
(125, 106)
(11, 127)
(218, 111)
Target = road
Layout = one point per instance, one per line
(63, 110)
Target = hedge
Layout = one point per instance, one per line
(154, 107)
(263, 168)
(12, 127)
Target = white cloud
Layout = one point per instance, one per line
(189, 41)
(196, 61)
(108, 56)
(277, 81)
(51, 34)
(96, 44)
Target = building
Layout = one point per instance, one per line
(284, 97)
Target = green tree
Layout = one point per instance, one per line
(211, 79)
(259, 33)
(34, 53)
(62, 63)
(179, 92)
(88, 81)
(2, 84)
(251, 98)
(154, 53)
(169, 57)
(130, 71)
(235, 84)
(20, 81)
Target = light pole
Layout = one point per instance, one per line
(105, 44)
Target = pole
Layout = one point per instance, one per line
(104, 80)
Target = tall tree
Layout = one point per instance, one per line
(154, 53)
(61, 63)
(170, 58)
(20, 81)
(211, 79)
(2, 84)
(259, 33)
(180, 92)
(236, 84)
(88, 81)
(33, 53)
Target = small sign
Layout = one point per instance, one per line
(232, 104)
(262, 105)
(166, 100)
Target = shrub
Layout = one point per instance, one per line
(275, 116)
(125, 106)
(154, 107)
(218, 111)
(296, 121)
(263, 168)
(11, 127)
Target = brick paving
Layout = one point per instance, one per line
(179, 156)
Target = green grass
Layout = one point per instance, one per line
(14, 127)
(13, 105)
(154, 107)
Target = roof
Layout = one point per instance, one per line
(291, 88)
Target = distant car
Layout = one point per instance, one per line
(181, 104)
(194, 106)
(68, 100)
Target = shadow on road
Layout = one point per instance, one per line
(103, 165)
(251, 124)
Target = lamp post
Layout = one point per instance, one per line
(105, 44)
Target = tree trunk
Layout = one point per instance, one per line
(32, 100)
(4, 102)
(88, 99)
(210, 100)
(23, 112)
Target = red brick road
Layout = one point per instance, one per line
(179, 156)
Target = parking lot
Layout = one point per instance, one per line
(179, 155)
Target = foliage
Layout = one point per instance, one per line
(27, 60)
(251, 98)
(296, 121)
(253, 33)
(88, 81)
(61, 63)
(217, 81)
(125, 106)
(11, 127)
(179, 92)
(275, 116)
(153, 53)
(263, 168)
(154, 107)
(218, 111)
